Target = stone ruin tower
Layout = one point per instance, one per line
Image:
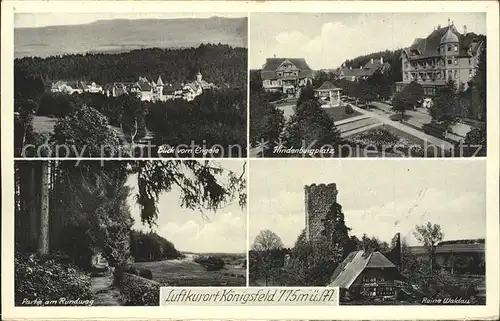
(318, 199)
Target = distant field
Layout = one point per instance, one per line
(45, 125)
(186, 272)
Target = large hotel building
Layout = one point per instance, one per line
(445, 53)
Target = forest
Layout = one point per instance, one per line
(221, 64)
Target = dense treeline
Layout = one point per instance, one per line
(146, 247)
(221, 64)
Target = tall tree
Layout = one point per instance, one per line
(266, 249)
(311, 128)
(429, 235)
(43, 241)
(266, 120)
(445, 103)
(267, 240)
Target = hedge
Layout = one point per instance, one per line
(139, 291)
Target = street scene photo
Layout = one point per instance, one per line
(392, 233)
(94, 233)
(367, 84)
(130, 85)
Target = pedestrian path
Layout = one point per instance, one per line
(104, 293)
(431, 140)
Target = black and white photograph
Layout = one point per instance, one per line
(89, 233)
(130, 84)
(368, 84)
(391, 233)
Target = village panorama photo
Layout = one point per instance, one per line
(130, 84)
(368, 84)
(392, 233)
(94, 233)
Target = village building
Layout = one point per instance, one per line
(363, 72)
(448, 253)
(330, 94)
(444, 54)
(286, 75)
(68, 87)
(76, 86)
(193, 89)
(367, 275)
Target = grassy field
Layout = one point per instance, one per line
(186, 272)
(45, 125)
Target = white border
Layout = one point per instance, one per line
(490, 311)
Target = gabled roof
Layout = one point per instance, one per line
(159, 82)
(328, 86)
(273, 63)
(428, 47)
(144, 85)
(354, 264)
(356, 72)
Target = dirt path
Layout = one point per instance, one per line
(104, 294)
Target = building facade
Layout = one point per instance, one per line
(363, 72)
(367, 275)
(445, 54)
(286, 75)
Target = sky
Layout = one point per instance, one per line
(36, 20)
(379, 198)
(188, 230)
(326, 40)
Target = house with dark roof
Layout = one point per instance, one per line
(363, 72)
(367, 275)
(286, 75)
(444, 54)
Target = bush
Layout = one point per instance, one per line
(137, 291)
(48, 278)
(348, 109)
(211, 263)
(435, 129)
(132, 270)
(146, 273)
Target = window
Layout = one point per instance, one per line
(455, 60)
(449, 47)
(456, 48)
(456, 74)
(279, 74)
(449, 62)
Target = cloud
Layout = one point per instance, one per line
(461, 215)
(226, 232)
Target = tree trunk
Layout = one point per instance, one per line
(43, 240)
(33, 208)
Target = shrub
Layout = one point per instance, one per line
(435, 129)
(211, 263)
(348, 109)
(132, 270)
(48, 278)
(146, 273)
(136, 291)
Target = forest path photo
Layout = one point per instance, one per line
(103, 291)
